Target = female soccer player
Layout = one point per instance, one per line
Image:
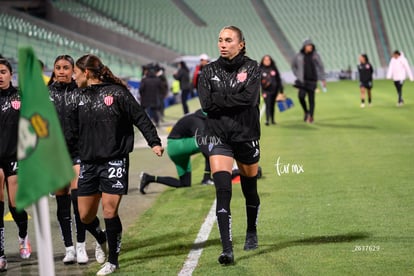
(365, 71)
(107, 112)
(229, 90)
(271, 86)
(62, 90)
(9, 118)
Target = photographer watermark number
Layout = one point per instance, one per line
(366, 248)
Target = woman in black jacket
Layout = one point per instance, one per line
(183, 76)
(107, 112)
(271, 86)
(9, 119)
(229, 91)
(62, 91)
(365, 71)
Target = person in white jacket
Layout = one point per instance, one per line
(398, 70)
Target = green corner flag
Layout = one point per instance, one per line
(43, 159)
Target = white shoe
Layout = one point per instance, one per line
(100, 252)
(362, 105)
(70, 255)
(81, 255)
(3, 264)
(107, 269)
(25, 248)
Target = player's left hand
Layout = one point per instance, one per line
(158, 150)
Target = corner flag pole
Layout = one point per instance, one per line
(43, 237)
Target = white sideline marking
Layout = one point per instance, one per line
(195, 253)
(202, 236)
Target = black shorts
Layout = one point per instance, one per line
(9, 168)
(367, 84)
(109, 177)
(244, 152)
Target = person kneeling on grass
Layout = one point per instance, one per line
(185, 139)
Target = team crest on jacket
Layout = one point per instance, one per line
(30, 130)
(109, 100)
(15, 104)
(242, 76)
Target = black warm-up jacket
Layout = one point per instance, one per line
(9, 121)
(229, 92)
(107, 114)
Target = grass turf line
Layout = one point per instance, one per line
(350, 212)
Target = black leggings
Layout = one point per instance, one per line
(398, 86)
(270, 102)
(184, 97)
(309, 90)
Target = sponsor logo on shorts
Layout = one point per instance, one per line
(257, 152)
(118, 185)
(116, 163)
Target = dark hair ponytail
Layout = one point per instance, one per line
(239, 35)
(98, 69)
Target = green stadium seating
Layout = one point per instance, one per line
(47, 45)
(341, 30)
(399, 22)
(163, 22)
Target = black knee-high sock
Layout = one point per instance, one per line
(80, 227)
(167, 180)
(95, 229)
(249, 188)
(1, 228)
(113, 234)
(185, 180)
(222, 182)
(207, 169)
(21, 220)
(64, 218)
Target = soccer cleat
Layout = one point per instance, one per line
(251, 241)
(3, 263)
(144, 183)
(305, 118)
(25, 248)
(107, 269)
(310, 119)
(362, 105)
(100, 252)
(81, 255)
(259, 172)
(70, 255)
(226, 258)
(207, 182)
